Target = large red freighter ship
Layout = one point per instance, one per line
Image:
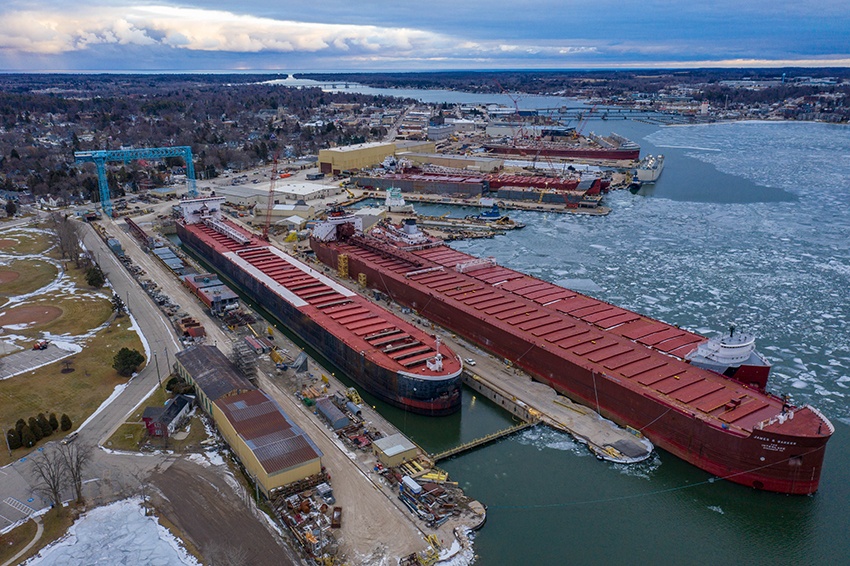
(389, 357)
(615, 148)
(702, 400)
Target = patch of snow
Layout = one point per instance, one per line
(214, 458)
(21, 326)
(134, 326)
(67, 346)
(716, 509)
(121, 452)
(461, 552)
(119, 533)
(206, 459)
(198, 459)
(115, 393)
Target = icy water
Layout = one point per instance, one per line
(748, 225)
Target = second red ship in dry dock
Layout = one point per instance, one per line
(671, 384)
(389, 357)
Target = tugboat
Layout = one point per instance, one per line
(493, 214)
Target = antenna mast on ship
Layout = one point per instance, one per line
(437, 363)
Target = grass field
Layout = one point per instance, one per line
(78, 393)
(33, 275)
(28, 242)
(12, 542)
(82, 310)
(56, 523)
(79, 314)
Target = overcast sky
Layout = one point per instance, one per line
(351, 35)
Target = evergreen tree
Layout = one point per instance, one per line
(35, 429)
(126, 361)
(13, 438)
(20, 425)
(11, 208)
(65, 422)
(54, 422)
(27, 437)
(95, 277)
(44, 425)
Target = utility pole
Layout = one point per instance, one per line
(158, 375)
(167, 363)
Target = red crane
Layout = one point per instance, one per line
(270, 204)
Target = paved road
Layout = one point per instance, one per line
(108, 474)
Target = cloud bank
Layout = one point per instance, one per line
(86, 35)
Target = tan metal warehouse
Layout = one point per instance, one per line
(365, 155)
(338, 159)
(273, 450)
(394, 449)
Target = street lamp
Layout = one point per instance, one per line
(9, 448)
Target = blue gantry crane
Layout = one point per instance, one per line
(101, 156)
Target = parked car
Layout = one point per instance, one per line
(70, 438)
(469, 361)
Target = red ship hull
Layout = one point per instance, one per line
(567, 152)
(383, 354)
(727, 429)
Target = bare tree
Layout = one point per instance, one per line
(75, 458)
(51, 475)
(144, 488)
(66, 237)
